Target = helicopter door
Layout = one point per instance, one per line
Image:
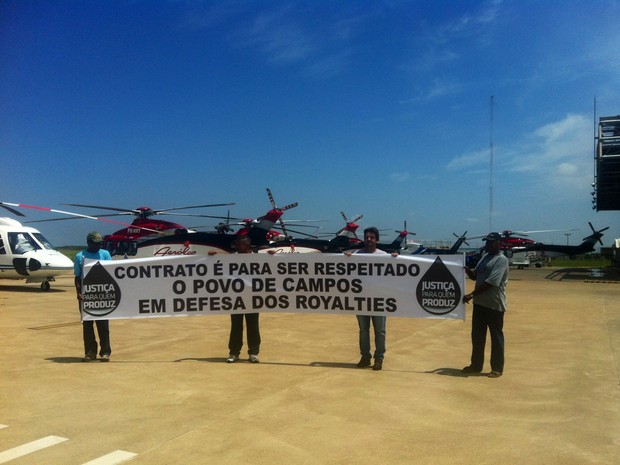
(132, 248)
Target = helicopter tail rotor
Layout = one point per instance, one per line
(462, 237)
(282, 209)
(350, 224)
(404, 232)
(597, 234)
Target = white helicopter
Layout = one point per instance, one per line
(26, 254)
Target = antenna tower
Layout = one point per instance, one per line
(491, 170)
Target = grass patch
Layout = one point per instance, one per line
(70, 250)
(581, 261)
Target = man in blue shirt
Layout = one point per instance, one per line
(93, 251)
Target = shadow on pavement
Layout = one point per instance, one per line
(65, 359)
(456, 372)
(263, 362)
(29, 287)
(585, 274)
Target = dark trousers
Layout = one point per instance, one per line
(90, 342)
(482, 319)
(235, 342)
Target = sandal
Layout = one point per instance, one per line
(495, 374)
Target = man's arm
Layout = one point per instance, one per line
(78, 287)
(471, 274)
(478, 290)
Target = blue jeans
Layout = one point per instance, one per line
(378, 323)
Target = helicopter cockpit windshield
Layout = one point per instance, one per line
(22, 242)
(39, 237)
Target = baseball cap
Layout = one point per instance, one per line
(493, 237)
(94, 236)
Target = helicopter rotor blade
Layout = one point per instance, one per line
(404, 231)
(462, 237)
(123, 210)
(163, 211)
(289, 206)
(33, 207)
(298, 225)
(525, 233)
(137, 212)
(592, 227)
(12, 210)
(297, 232)
(200, 216)
(271, 199)
(598, 234)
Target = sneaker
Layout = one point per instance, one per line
(232, 358)
(378, 364)
(364, 362)
(495, 374)
(105, 358)
(253, 358)
(89, 357)
(471, 369)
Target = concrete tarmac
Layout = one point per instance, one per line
(168, 397)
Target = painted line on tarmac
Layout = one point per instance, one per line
(112, 458)
(30, 447)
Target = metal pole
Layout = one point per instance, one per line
(491, 170)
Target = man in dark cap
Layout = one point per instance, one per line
(93, 251)
(489, 296)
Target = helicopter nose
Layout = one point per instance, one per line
(24, 265)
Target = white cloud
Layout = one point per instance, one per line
(471, 23)
(399, 177)
(281, 40)
(556, 159)
(284, 37)
(470, 160)
(568, 141)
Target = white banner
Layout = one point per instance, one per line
(423, 286)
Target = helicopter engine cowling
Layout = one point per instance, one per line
(24, 265)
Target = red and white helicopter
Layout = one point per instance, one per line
(199, 243)
(344, 239)
(149, 237)
(124, 242)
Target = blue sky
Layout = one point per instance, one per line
(381, 108)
